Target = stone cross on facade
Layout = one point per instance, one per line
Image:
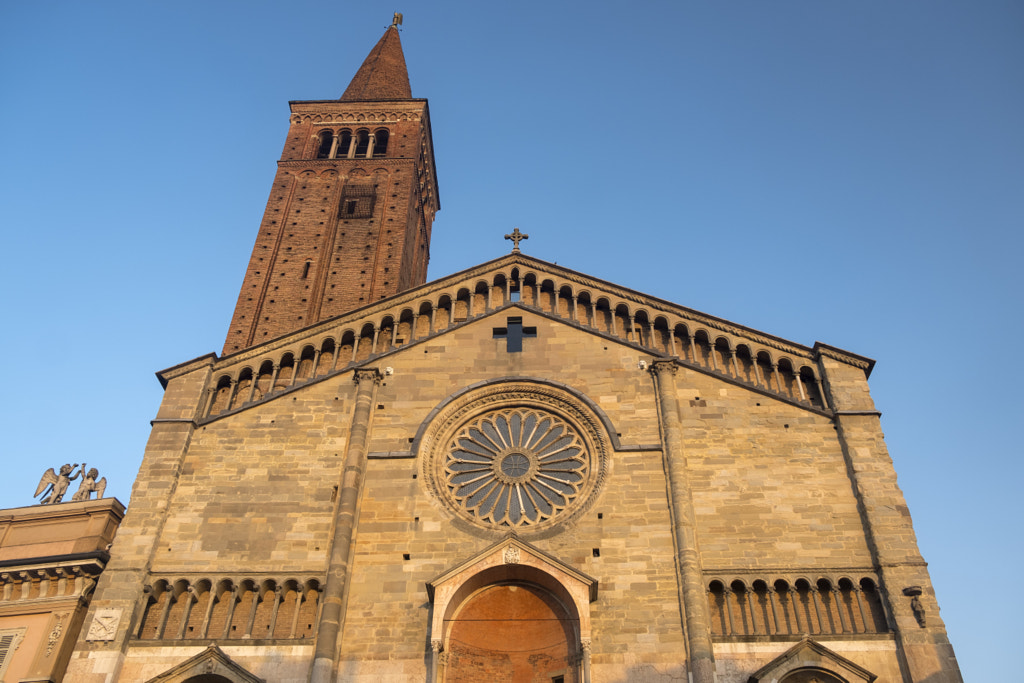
(516, 238)
(514, 334)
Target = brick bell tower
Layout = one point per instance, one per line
(349, 216)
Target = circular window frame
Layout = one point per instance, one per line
(438, 438)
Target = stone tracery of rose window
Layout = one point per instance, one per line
(516, 467)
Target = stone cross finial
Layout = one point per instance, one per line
(516, 238)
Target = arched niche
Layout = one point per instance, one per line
(513, 571)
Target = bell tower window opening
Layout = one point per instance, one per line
(344, 144)
(323, 147)
(362, 143)
(380, 143)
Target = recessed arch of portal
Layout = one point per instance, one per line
(510, 613)
(511, 630)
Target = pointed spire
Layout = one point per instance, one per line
(383, 75)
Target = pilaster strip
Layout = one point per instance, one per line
(332, 612)
(684, 527)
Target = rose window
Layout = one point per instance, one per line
(516, 467)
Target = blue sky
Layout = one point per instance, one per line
(851, 173)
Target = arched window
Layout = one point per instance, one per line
(323, 147)
(362, 143)
(344, 144)
(380, 143)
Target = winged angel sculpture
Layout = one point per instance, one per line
(54, 485)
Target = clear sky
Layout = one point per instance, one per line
(844, 172)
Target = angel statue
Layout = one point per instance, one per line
(89, 484)
(57, 483)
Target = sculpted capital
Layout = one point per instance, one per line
(662, 366)
(367, 374)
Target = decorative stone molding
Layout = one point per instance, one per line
(213, 662)
(812, 657)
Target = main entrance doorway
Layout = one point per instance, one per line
(512, 633)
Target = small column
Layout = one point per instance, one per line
(373, 346)
(435, 660)
(672, 342)
(727, 608)
(758, 379)
(860, 609)
(821, 392)
(750, 610)
(800, 384)
(412, 330)
(355, 346)
(273, 377)
(394, 333)
(231, 395)
(211, 392)
(316, 362)
(490, 297)
(295, 617)
(586, 647)
(693, 349)
(296, 364)
(335, 138)
(837, 596)
(165, 613)
(231, 612)
(252, 390)
(817, 608)
(331, 615)
(794, 601)
(256, 595)
(735, 364)
(433, 317)
(684, 527)
(775, 374)
(209, 612)
(273, 612)
(190, 599)
(775, 613)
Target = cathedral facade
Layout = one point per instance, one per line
(514, 473)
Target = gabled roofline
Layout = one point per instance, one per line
(587, 280)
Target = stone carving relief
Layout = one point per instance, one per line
(104, 624)
(54, 637)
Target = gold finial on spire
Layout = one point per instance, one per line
(516, 238)
(397, 21)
